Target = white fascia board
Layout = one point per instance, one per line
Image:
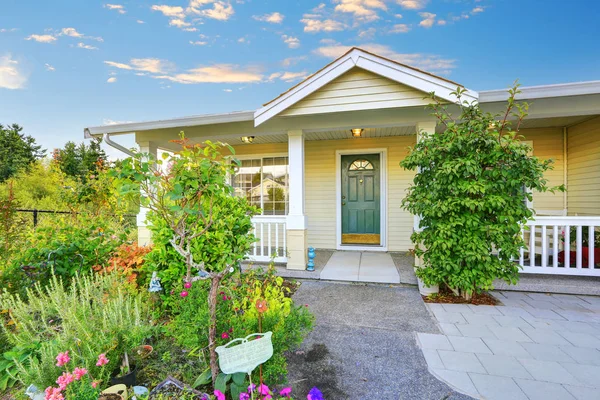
(544, 91)
(413, 78)
(209, 119)
(408, 76)
(309, 86)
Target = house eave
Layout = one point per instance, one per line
(196, 120)
(543, 91)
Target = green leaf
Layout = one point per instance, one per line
(236, 390)
(221, 382)
(204, 379)
(239, 378)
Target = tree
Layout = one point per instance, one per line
(79, 161)
(17, 151)
(470, 191)
(192, 196)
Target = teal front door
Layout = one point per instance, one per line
(361, 199)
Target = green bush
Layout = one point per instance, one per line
(237, 317)
(93, 315)
(471, 190)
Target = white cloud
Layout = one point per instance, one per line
(293, 76)
(107, 121)
(363, 10)
(399, 16)
(11, 76)
(151, 65)
(426, 62)
(400, 28)
(273, 18)
(86, 46)
(412, 4)
(112, 79)
(198, 43)
(442, 22)
(169, 11)
(287, 62)
(71, 32)
(180, 23)
(477, 10)
(49, 67)
(367, 34)
(139, 21)
(291, 41)
(428, 19)
(42, 38)
(221, 11)
(218, 73)
(4, 30)
(228, 90)
(117, 7)
(313, 25)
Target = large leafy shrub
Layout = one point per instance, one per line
(210, 227)
(95, 314)
(470, 191)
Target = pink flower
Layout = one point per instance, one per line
(220, 396)
(102, 360)
(53, 393)
(62, 359)
(286, 392)
(244, 396)
(79, 373)
(224, 335)
(187, 285)
(184, 293)
(95, 384)
(263, 389)
(64, 380)
(224, 297)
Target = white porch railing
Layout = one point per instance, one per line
(271, 235)
(551, 248)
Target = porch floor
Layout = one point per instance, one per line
(361, 266)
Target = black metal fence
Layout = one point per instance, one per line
(35, 215)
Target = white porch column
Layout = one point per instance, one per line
(296, 219)
(423, 129)
(144, 234)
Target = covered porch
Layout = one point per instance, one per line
(321, 161)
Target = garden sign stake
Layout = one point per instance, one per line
(244, 355)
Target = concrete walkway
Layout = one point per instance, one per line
(536, 346)
(363, 344)
(356, 266)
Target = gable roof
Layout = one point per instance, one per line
(356, 57)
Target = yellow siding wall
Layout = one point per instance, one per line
(583, 172)
(548, 143)
(358, 89)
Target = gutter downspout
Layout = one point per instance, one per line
(106, 138)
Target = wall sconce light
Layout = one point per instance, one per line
(357, 132)
(247, 139)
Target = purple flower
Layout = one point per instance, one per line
(219, 395)
(285, 392)
(315, 394)
(244, 396)
(251, 387)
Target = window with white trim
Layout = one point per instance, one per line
(264, 182)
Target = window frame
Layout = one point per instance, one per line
(262, 156)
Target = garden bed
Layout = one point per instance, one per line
(446, 296)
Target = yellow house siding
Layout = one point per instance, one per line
(583, 172)
(548, 143)
(260, 149)
(320, 185)
(357, 89)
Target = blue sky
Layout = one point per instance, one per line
(68, 64)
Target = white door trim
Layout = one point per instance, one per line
(383, 196)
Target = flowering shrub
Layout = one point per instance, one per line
(93, 315)
(78, 384)
(127, 260)
(262, 392)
